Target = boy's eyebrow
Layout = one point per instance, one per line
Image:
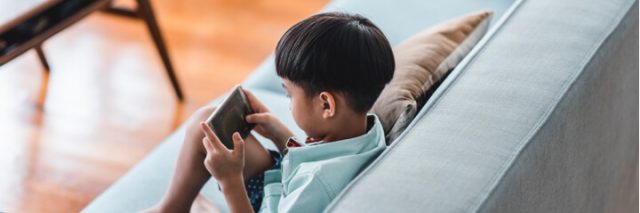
(282, 84)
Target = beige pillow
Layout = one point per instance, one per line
(422, 61)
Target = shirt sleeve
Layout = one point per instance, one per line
(307, 193)
(272, 191)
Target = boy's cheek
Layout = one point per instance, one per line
(300, 116)
(296, 115)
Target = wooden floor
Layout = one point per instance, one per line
(108, 101)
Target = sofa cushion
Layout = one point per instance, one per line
(149, 180)
(422, 61)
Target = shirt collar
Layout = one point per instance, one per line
(301, 153)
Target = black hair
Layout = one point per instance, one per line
(337, 52)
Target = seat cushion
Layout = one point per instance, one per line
(148, 181)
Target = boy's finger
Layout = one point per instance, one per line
(253, 102)
(257, 118)
(207, 145)
(238, 144)
(217, 145)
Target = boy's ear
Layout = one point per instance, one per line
(328, 102)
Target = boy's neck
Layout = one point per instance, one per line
(350, 126)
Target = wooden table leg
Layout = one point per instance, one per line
(146, 12)
(42, 57)
(42, 96)
(143, 10)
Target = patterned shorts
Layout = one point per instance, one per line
(255, 185)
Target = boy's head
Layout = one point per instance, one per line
(334, 67)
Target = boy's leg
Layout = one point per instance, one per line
(190, 174)
(201, 204)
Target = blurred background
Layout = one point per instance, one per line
(107, 100)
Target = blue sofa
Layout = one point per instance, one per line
(541, 116)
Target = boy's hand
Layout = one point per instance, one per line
(267, 125)
(226, 166)
(223, 164)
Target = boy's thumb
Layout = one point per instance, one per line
(257, 118)
(238, 144)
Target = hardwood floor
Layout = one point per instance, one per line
(108, 101)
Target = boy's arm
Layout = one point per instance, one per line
(272, 128)
(236, 195)
(267, 125)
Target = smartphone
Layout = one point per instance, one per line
(229, 117)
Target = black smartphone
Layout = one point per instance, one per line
(229, 117)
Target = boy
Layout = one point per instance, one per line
(333, 67)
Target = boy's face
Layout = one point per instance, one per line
(306, 112)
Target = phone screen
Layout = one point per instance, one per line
(229, 117)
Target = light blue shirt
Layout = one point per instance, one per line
(313, 175)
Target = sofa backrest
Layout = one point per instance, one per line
(543, 119)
